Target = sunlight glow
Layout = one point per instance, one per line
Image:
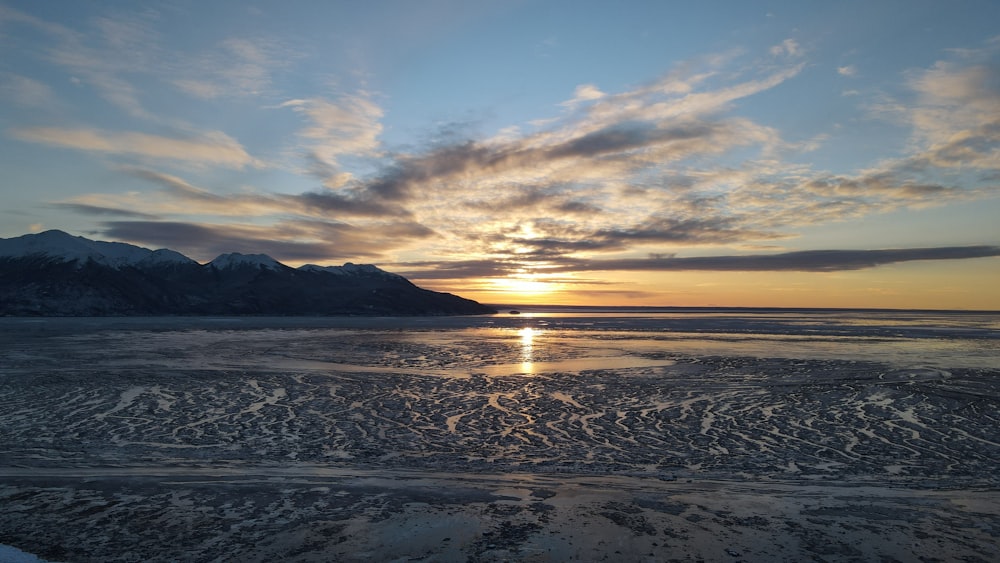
(527, 336)
(523, 287)
(527, 349)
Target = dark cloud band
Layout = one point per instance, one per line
(804, 261)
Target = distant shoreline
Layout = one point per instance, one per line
(708, 309)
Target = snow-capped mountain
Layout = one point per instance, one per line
(165, 256)
(58, 245)
(57, 274)
(350, 269)
(237, 260)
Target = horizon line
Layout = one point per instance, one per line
(504, 308)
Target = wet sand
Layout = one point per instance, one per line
(484, 444)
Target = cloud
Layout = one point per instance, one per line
(121, 55)
(803, 261)
(237, 67)
(788, 47)
(552, 242)
(26, 92)
(177, 196)
(288, 241)
(208, 241)
(584, 93)
(347, 203)
(214, 147)
(176, 186)
(713, 230)
(610, 140)
(626, 137)
(349, 126)
(10, 15)
(953, 109)
(952, 98)
(848, 70)
(877, 185)
(455, 269)
(103, 211)
(108, 54)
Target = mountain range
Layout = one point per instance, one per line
(56, 274)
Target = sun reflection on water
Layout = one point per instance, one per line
(527, 349)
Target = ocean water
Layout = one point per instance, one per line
(617, 335)
(899, 338)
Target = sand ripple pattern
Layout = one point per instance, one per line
(493, 444)
(245, 400)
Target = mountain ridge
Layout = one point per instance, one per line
(54, 273)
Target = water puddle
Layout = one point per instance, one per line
(575, 365)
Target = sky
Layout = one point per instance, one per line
(772, 154)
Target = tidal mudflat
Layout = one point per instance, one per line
(771, 436)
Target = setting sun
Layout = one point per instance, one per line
(522, 286)
(520, 289)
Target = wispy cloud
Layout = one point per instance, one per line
(236, 67)
(584, 93)
(953, 111)
(603, 143)
(98, 58)
(848, 70)
(349, 125)
(106, 54)
(788, 47)
(85, 209)
(26, 92)
(10, 15)
(215, 148)
(121, 54)
(178, 187)
(293, 241)
(177, 196)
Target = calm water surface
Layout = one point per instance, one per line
(543, 340)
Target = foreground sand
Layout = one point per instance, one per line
(361, 445)
(303, 515)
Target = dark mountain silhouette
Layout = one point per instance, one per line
(56, 274)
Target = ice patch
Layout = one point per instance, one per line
(127, 398)
(9, 554)
(566, 398)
